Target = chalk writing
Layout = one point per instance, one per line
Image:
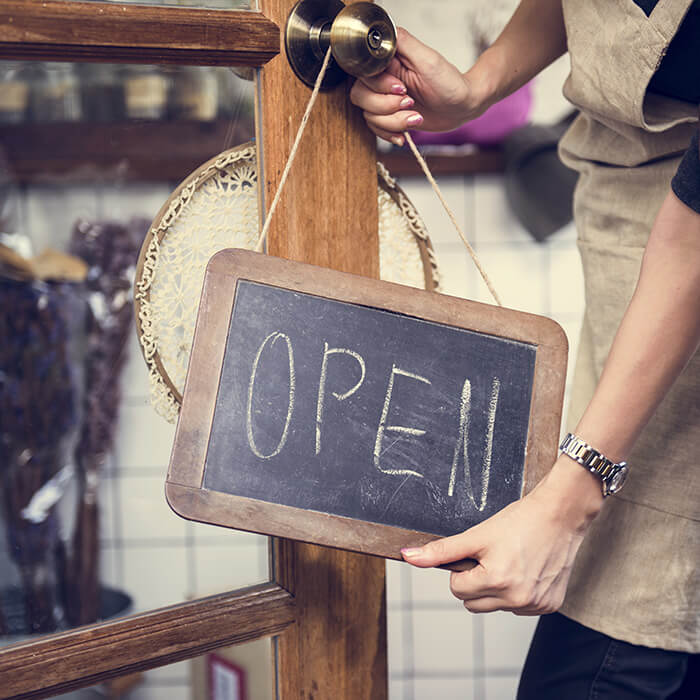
(271, 339)
(488, 449)
(383, 427)
(352, 410)
(322, 385)
(462, 446)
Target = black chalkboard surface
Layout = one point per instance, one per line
(324, 406)
(360, 412)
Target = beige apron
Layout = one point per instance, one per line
(636, 575)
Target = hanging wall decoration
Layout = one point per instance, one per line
(215, 208)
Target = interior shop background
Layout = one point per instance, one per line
(436, 649)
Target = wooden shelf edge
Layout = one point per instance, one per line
(87, 656)
(480, 161)
(74, 153)
(80, 152)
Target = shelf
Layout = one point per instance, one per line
(402, 163)
(129, 151)
(143, 151)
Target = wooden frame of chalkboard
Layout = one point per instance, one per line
(204, 454)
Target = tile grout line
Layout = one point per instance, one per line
(408, 637)
(190, 545)
(547, 274)
(479, 657)
(118, 543)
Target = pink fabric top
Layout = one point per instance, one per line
(490, 128)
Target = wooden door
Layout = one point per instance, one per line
(325, 608)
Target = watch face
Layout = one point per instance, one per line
(617, 481)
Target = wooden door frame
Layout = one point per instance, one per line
(337, 648)
(325, 608)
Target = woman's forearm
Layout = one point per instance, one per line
(659, 334)
(534, 37)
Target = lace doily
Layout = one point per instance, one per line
(215, 208)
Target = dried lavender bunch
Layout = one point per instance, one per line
(38, 411)
(110, 251)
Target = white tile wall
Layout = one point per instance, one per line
(398, 639)
(500, 687)
(156, 576)
(443, 688)
(145, 515)
(506, 638)
(442, 641)
(227, 567)
(436, 648)
(431, 585)
(143, 441)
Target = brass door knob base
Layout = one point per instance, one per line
(361, 36)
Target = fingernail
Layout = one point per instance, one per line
(410, 553)
(398, 89)
(397, 140)
(415, 120)
(407, 102)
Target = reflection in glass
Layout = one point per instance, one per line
(217, 674)
(35, 92)
(88, 155)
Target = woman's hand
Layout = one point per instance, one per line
(420, 88)
(526, 551)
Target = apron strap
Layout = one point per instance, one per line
(668, 15)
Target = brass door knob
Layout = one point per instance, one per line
(362, 38)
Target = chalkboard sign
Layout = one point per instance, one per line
(355, 413)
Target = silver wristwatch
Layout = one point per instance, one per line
(611, 474)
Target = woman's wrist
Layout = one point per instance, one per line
(491, 79)
(574, 492)
(481, 89)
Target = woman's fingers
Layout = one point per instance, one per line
(376, 102)
(491, 604)
(386, 83)
(483, 590)
(396, 139)
(387, 115)
(466, 545)
(484, 605)
(393, 123)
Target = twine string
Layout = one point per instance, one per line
(293, 152)
(421, 161)
(450, 213)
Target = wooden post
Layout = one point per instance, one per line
(327, 216)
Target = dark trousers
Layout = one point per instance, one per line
(568, 661)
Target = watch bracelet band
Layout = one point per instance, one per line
(596, 462)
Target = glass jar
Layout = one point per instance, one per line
(145, 92)
(102, 93)
(14, 93)
(55, 94)
(195, 94)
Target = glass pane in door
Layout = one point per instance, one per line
(236, 673)
(89, 155)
